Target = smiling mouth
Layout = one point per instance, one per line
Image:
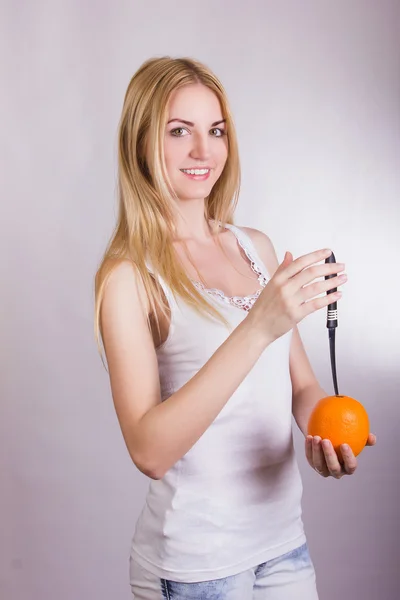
(204, 171)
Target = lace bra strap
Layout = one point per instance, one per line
(247, 243)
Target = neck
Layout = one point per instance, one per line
(191, 223)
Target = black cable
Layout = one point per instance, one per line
(333, 359)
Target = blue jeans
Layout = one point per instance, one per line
(288, 577)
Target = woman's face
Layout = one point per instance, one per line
(195, 139)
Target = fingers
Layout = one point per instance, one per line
(296, 266)
(294, 278)
(332, 461)
(371, 441)
(322, 457)
(350, 461)
(287, 300)
(308, 449)
(287, 259)
(312, 290)
(320, 464)
(308, 275)
(318, 303)
(315, 455)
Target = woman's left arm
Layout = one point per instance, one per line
(306, 390)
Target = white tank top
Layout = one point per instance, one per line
(233, 500)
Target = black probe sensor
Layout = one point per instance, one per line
(332, 323)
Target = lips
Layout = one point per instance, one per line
(202, 174)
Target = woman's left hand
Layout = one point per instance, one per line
(324, 460)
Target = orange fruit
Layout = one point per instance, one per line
(342, 420)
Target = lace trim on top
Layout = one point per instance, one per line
(243, 302)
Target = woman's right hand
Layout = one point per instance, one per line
(290, 295)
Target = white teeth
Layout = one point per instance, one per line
(196, 171)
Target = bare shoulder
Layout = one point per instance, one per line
(264, 247)
(124, 282)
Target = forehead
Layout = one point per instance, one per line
(195, 101)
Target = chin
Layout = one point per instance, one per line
(198, 193)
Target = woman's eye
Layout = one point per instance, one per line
(218, 132)
(178, 132)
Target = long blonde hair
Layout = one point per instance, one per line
(145, 224)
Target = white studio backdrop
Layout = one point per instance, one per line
(315, 90)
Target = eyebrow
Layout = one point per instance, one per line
(192, 124)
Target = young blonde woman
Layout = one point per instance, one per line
(198, 322)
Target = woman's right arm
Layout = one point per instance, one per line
(157, 434)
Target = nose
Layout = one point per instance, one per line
(201, 146)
